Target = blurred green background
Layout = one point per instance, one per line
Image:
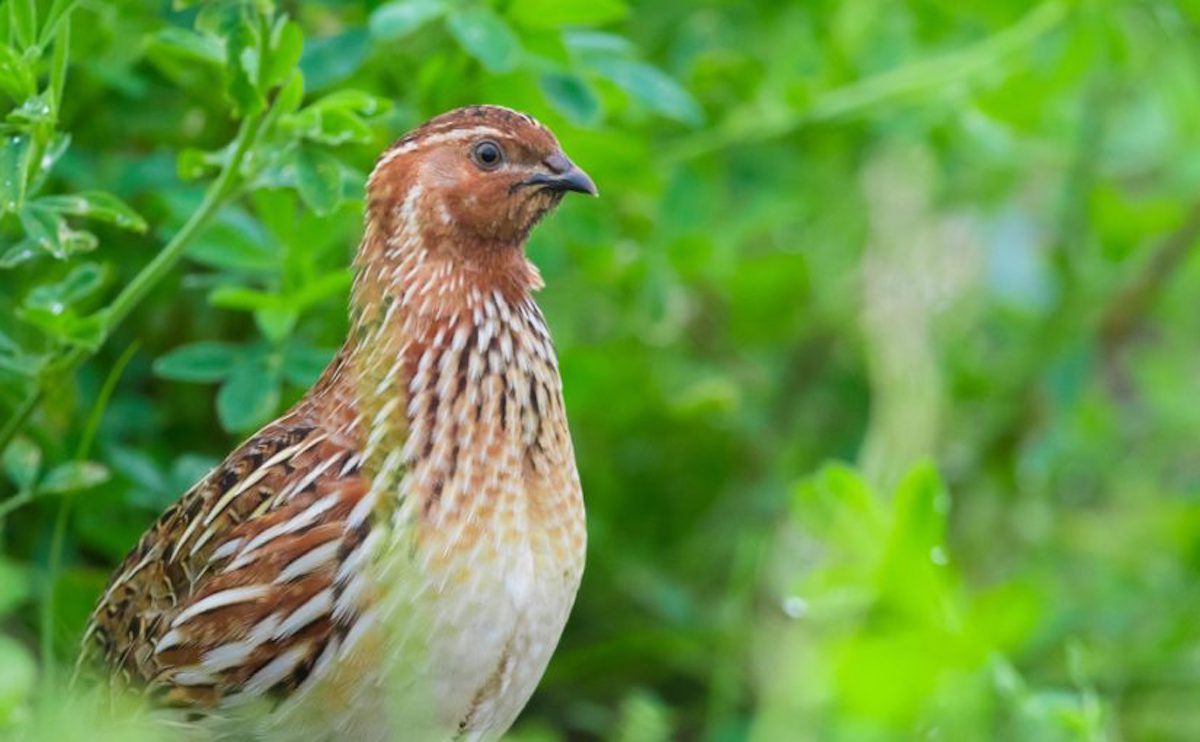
(881, 347)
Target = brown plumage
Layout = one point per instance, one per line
(396, 556)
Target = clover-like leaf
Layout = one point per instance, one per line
(318, 178)
(199, 362)
(249, 396)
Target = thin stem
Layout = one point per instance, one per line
(156, 269)
(14, 503)
(19, 416)
(54, 564)
(165, 260)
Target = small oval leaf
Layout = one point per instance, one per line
(199, 362)
(483, 35)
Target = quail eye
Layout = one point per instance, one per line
(487, 154)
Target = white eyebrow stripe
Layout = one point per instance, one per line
(453, 135)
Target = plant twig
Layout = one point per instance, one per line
(157, 269)
(1128, 309)
(54, 562)
(937, 73)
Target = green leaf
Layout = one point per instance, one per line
(22, 462)
(652, 87)
(73, 476)
(236, 242)
(287, 45)
(334, 58)
(194, 163)
(232, 24)
(23, 21)
(186, 45)
(98, 205)
(14, 171)
(394, 20)
(556, 13)
(302, 365)
(485, 36)
(54, 150)
(198, 362)
(34, 111)
(17, 77)
(51, 233)
(248, 397)
(83, 281)
(332, 127)
(318, 179)
(358, 101)
(22, 252)
(277, 322)
(572, 97)
(67, 326)
(240, 297)
(332, 283)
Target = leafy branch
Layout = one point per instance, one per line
(763, 121)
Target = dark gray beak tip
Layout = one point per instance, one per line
(578, 181)
(564, 175)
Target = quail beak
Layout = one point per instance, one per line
(562, 175)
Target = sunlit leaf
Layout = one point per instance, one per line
(22, 16)
(287, 44)
(555, 13)
(357, 101)
(240, 297)
(17, 77)
(276, 322)
(186, 45)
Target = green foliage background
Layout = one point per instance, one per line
(880, 347)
